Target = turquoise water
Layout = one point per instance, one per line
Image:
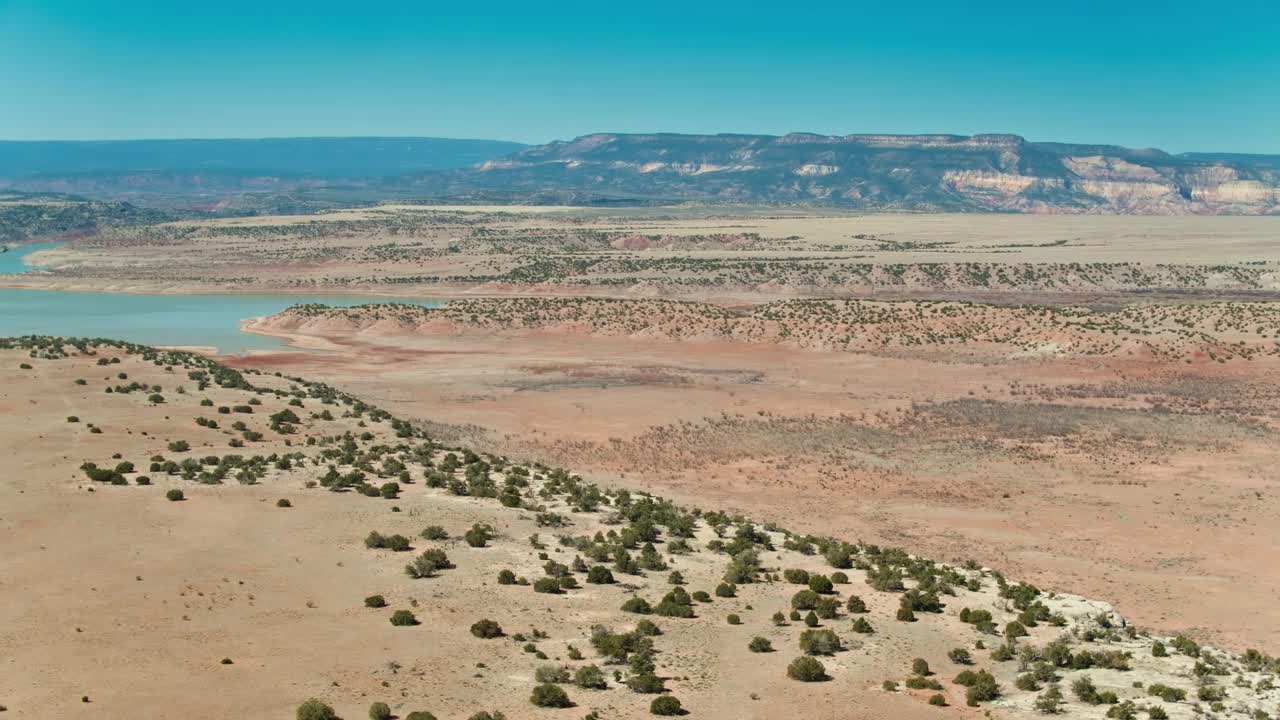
(11, 260)
(211, 320)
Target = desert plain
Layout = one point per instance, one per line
(1084, 404)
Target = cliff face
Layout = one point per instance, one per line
(1002, 173)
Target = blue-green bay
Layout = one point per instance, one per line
(208, 320)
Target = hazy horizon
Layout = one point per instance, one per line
(1201, 150)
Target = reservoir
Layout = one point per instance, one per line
(208, 320)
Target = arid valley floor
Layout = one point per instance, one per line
(1086, 404)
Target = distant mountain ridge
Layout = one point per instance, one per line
(322, 157)
(1000, 173)
(915, 173)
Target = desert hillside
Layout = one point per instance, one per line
(278, 543)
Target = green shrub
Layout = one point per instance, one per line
(506, 577)
(486, 629)
(599, 575)
(1166, 693)
(805, 600)
(733, 619)
(819, 642)
(820, 584)
(806, 669)
(827, 608)
(676, 603)
(403, 618)
(1211, 693)
(375, 601)
(434, 532)
(551, 674)
(920, 666)
(479, 535)
(1027, 681)
(760, 645)
(315, 710)
(665, 705)
(1014, 630)
(1186, 646)
(983, 689)
(175, 495)
(283, 503)
(862, 626)
(1086, 691)
(428, 564)
(1044, 672)
(919, 682)
(796, 576)
(379, 711)
(938, 700)
(1050, 701)
(548, 585)
(1124, 711)
(960, 656)
(590, 677)
(646, 683)
(638, 605)
(550, 695)
(726, 590)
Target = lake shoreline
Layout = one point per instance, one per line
(209, 323)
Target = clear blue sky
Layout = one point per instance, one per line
(1173, 74)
